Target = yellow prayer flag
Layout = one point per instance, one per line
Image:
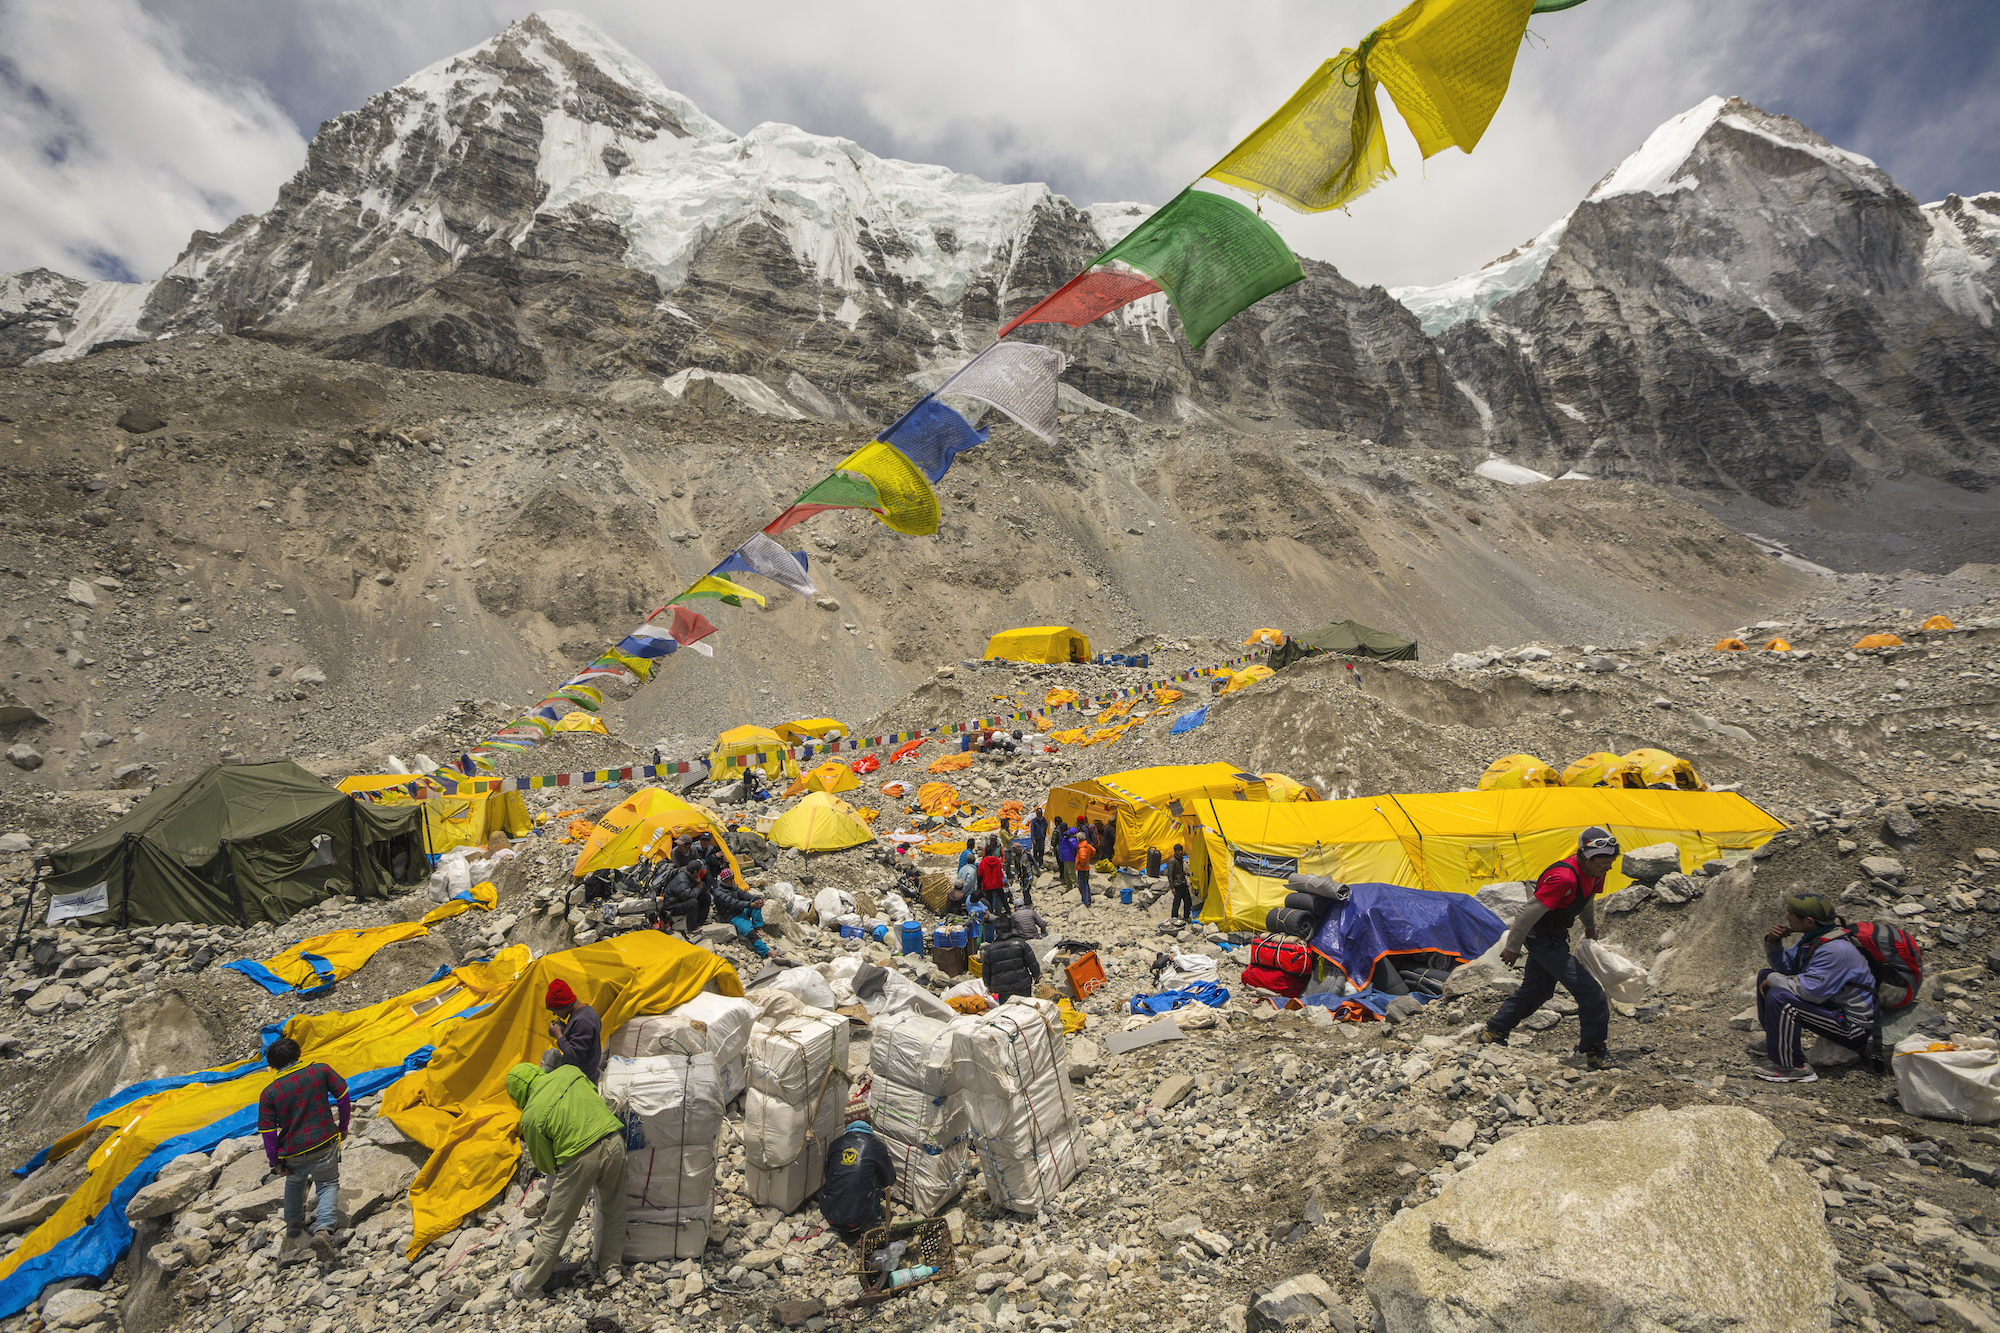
(714, 585)
(1321, 149)
(1447, 63)
(908, 503)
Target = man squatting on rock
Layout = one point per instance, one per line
(1565, 891)
(1822, 983)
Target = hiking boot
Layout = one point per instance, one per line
(1771, 1073)
(293, 1231)
(1598, 1058)
(322, 1248)
(1488, 1037)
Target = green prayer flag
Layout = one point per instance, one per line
(1211, 255)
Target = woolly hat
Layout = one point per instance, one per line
(560, 995)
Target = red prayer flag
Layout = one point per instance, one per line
(1083, 298)
(689, 626)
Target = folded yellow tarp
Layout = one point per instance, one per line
(370, 1048)
(1453, 841)
(482, 895)
(312, 965)
(458, 1107)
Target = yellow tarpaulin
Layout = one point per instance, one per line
(812, 729)
(482, 895)
(344, 950)
(457, 1105)
(1058, 697)
(1247, 677)
(1142, 800)
(367, 1047)
(950, 763)
(1456, 842)
(937, 798)
(645, 823)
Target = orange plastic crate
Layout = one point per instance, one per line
(1086, 974)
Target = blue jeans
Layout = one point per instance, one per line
(1083, 882)
(321, 1168)
(1549, 963)
(747, 927)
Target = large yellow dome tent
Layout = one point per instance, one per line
(821, 822)
(1665, 772)
(1278, 787)
(1602, 769)
(829, 776)
(740, 741)
(1510, 772)
(646, 823)
(1141, 801)
(1242, 852)
(1038, 643)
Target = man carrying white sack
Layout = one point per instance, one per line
(1565, 892)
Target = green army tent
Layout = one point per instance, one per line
(1353, 639)
(239, 844)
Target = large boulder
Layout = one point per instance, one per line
(370, 1178)
(1667, 1219)
(168, 1194)
(1506, 898)
(1651, 864)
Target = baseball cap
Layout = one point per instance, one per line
(1596, 841)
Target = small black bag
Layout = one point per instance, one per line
(1290, 921)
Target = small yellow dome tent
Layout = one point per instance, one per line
(810, 730)
(1778, 646)
(1731, 646)
(1665, 772)
(1282, 788)
(644, 823)
(1038, 643)
(1937, 623)
(1248, 676)
(1878, 641)
(1602, 769)
(1511, 772)
(740, 741)
(582, 721)
(822, 822)
(829, 776)
(1273, 637)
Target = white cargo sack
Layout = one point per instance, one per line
(807, 984)
(1623, 980)
(788, 1058)
(1012, 1064)
(676, 1099)
(774, 1131)
(913, 1050)
(1949, 1080)
(670, 1184)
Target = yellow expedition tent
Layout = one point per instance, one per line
(581, 721)
(1665, 772)
(1243, 851)
(822, 822)
(1141, 801)
(1511, 772)
(1278, 787)
(467, 818)
(645, 824)
(829, 776)
(1877, 641)
(740, 741)
(1937, 624)
(1265, 637)
(1038, 643)
(1247, 677)
(810, 730)
(1602, 769)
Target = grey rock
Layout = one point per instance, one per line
(1172, 1092)
(1179, 1228)
(1885, 868)
(1472, 977)
(1086, 1059)
(81, 593)
(96, 740)
(168, 1194)
(15, 842)
(74, 1307)
(23, 755)
(1899, 825)
(1504, 899)
(370, 1178)
(1598, 664)
(251, 1204)
(1677, 888)
(48, 1000)
(245, 1172)
(1460, 1136)
(1628, 899)
(1649, 864)
(1402, 1007)
(1297, 1297)
(27, 1216)
(140, 421)
(1916, 1306)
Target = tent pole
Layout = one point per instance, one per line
(354, 844)
(229, 876)
(14, 950)
(125, 897)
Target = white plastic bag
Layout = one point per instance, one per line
(808, 985)
(1622, 979)
(1952, 1080)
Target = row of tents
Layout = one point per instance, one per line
(1654, 770)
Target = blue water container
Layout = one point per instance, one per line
(851, 932)
(940, 938)
(880, 933)
(913, 937)
(1125, 893)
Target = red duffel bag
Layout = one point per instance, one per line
(1269, 978)
(1281, 953)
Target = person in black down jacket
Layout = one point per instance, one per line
(1008, 965)
(859, 1169)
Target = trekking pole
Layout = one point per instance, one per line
(14, 950)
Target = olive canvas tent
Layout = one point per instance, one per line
(1353, 639)
(1142, 803)
(241, 843)
(1038, 643)
(1244, 851)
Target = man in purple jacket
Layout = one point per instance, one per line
(1823, 983)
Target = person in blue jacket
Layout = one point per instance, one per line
(1822, 983)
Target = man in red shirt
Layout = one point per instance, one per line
(993, 879)
(1565, 892)
(300, 1138)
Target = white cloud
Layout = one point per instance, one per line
(115, 146)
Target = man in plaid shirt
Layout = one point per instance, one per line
(301, 1140)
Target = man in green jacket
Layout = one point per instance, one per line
(574, 1139)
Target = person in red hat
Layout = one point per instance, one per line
(576, 1031)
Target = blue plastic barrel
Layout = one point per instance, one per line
(913, 937)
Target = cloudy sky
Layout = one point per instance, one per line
(126, 124)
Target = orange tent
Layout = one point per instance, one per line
(1936, 623)
(1878, 641)
(1778, 646)
(1731, 646)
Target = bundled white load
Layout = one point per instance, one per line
(718, 1024)
(786, 1187)
(672, 1109)
(832, 903)
(789, 1056)
(1012, 1066)
(918, 1113)
(797, 1098)
(775, 1131)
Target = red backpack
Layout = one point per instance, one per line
(1281, 953)
(1896, 959)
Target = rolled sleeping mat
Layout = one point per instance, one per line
(1319, 886)
(1304, 902)
(1290, 921)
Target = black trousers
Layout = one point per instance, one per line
(1549, 964)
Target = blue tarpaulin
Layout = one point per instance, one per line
(1200, 992)
(1379, 919)
(1187, 722)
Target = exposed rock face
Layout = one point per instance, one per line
(1668, 1219)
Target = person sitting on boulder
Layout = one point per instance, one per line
(1565, 891)
(1823, 983)
(743, 911)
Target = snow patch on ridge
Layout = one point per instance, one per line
(1655, 168)
(1474, 295)
(1959, 255)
